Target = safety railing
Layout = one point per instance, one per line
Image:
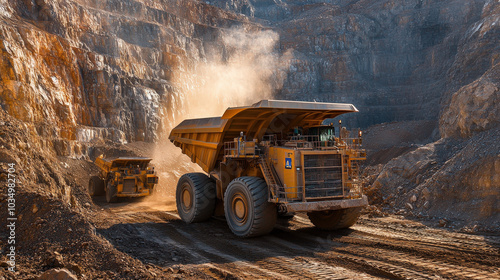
(353, 143)
(313, 142)
(241, 149)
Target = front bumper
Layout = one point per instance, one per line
(326, 205)
(125, 194)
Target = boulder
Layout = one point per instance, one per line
(57, 274)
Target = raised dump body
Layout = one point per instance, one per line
(277, 152)
(123, 177)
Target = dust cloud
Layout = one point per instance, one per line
(242, 67)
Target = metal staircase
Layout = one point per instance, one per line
(269, 177)
(354, 171)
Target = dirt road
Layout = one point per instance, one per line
(376, 248)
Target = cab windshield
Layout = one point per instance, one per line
(324, 133)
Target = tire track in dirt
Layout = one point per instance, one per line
(268, 255)
(161, 238)
(227, 257)
(286, 259)
(424, 249)
(451, 240)
(398, 263)
(372, 249)
(384, 269)
(422, 266)
(462, 246)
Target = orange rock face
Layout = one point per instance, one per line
(69, 67)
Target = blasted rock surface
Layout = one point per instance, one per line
(79, 70)
(457, 176)
(473, 108)
(78, 65)
(395, 60)
(449, 178)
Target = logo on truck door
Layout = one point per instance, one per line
(288, 163)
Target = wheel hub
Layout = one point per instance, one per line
(240, 208)
(186, 198)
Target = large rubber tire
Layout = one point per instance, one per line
(247, 211)
(195, 197)
(96, 186)
(111, 192)
(335, 219)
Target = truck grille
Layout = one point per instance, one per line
(323, 175)
(129, 186)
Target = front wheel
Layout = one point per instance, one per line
(335, 219)
(247, 211)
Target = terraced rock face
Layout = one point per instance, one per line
(457, 176)
(395, 60)
(78, 70)
(71, 67)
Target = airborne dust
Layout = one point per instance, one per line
(241, 68)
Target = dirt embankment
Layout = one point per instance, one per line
(451, 180)
(56, 218)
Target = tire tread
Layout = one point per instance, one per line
(202, 210)
(264, 211)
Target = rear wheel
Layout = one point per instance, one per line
(195, 197)
(335, 219)
(247, 211)
(96, 186)
(111, 192)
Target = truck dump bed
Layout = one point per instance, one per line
(203, 139)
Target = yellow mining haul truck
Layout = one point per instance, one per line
(123, 177)
(271, 158)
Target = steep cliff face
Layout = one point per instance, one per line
(471, 103)
(78, 70)
(390, 58)
(395, 68)
(474, 107)
(457, 176)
